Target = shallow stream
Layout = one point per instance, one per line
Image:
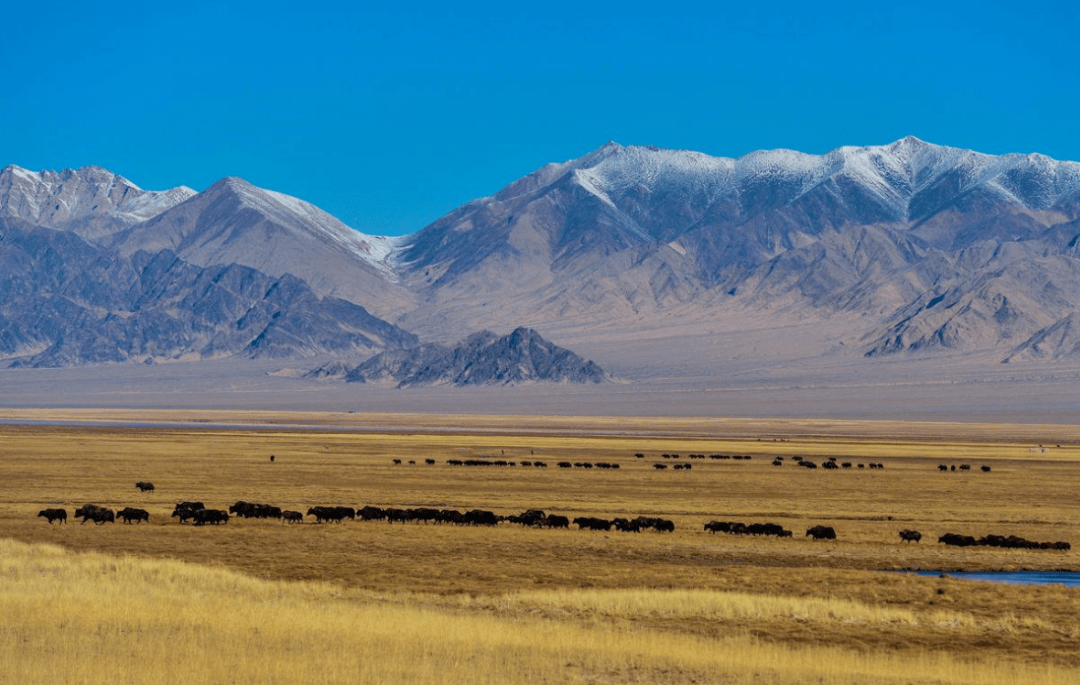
(1066, 578)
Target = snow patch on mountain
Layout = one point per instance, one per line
(89, 199)
(288, 210)
(895, 173)
(154, 202)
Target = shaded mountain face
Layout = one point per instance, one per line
(483, 358)
(1060, 340)
(67, 302)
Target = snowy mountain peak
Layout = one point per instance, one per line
(91, 201)
(894, 173)
(235, 220)
(290, 211)
(908, 145)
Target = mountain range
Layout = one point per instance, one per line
(907, 250)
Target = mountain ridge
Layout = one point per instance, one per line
(916, 248)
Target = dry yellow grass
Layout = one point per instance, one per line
(814, 603)
(93, 618)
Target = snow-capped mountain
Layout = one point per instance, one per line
(900, 249)
(233, 222)
(632, 232)
(90, 201)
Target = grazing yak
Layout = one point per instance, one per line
(774, 529)
(92, 512)
(145, 486)
(480, 517)
(101, 515)
(327, 514)
(254, 510)
(211, 516)
(529, 518)
(292, 517)
(736, 528)
(370, 513)
(821, 533)
(658, 524)
(910, 536)
(54, 514)
(956, 540)
(592, 523)
(1007, 542)
(625, 525)
(422, 514)
(557, 521)
(186, 510)
(449, 516)
(137, 515)
(664, 526)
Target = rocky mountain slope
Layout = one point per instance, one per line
(903, 250)
(90, 201)
(626, 233)
(483, 358)
(67, 302)
(233, 222)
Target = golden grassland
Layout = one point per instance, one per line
(373, 602)
(93, 617)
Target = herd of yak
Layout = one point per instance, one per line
(829, 464)
(199, 515)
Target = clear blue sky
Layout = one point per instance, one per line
(389, 115)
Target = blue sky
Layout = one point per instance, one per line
(390, 115)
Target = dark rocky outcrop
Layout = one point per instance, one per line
(483, 358)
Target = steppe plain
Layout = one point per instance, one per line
(261, 601)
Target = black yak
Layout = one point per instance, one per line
(92, 512)
(211, 516)
(556, 521)
(53, 515)
(821, 533)
(137, 515)
(592, 523)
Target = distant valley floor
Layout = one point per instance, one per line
(959, 389)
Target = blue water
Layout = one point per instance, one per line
(1066, 578)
